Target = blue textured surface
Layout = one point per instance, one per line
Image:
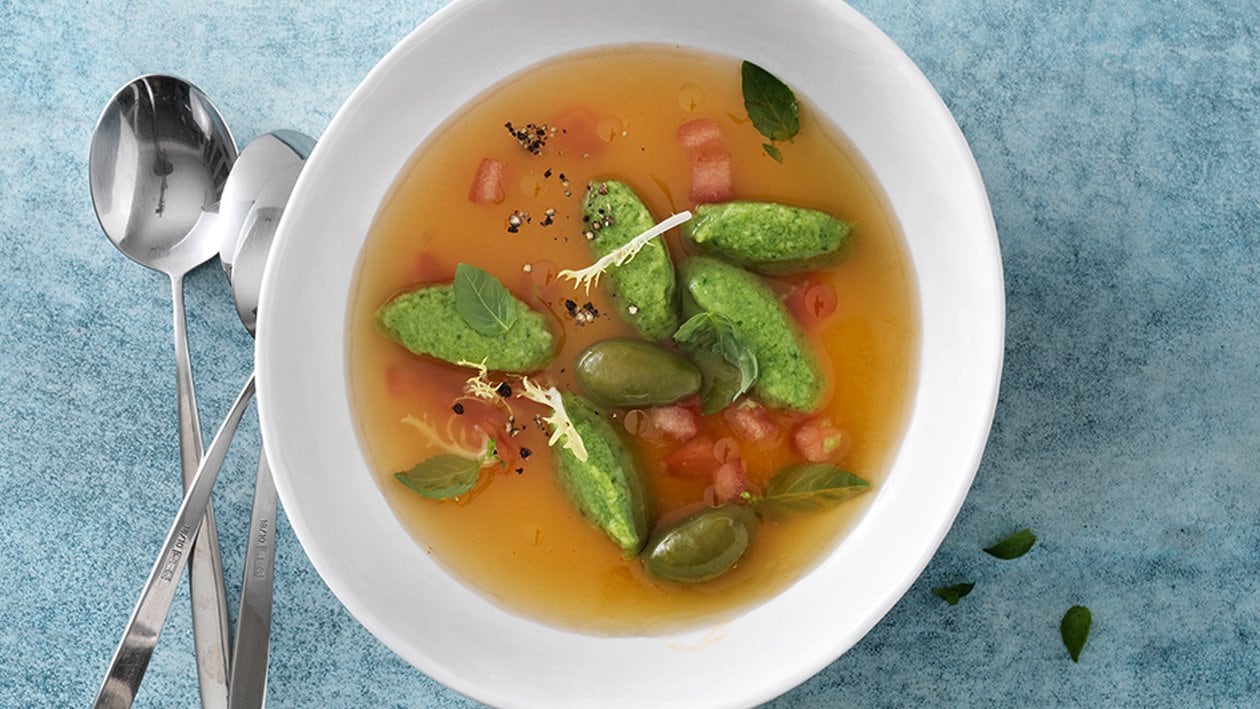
(1120, 143)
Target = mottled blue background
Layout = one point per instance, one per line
(1120, 143)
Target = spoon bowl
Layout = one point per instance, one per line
(257, 235)
(257, 167)
(160, 157)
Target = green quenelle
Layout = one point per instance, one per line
(606, 487)
(703, 546)
(633, 373)
(768, 237)
(789, 375)
(644, 287)
(426, 322)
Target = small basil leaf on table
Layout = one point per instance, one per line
(951, 594)
(1075, 630)
(445, 476)
(483, 302)
(773, 152)
(1013, 546)
(771, 105)
(811, 486)
(713, 333)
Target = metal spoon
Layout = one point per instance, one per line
(133, 653)
(278, 156)
(159, 159)
(159, 589)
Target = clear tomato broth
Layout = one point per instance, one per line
(516, 538)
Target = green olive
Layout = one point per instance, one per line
(703, 546)
(624, 372)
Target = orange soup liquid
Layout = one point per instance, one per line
(516, 538)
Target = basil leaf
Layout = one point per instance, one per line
(951, 594)
(483, 302)
(1013, 546)
(713, 333)
(770, 103)
(811, 486)
(1075, 630)
(719, 382)
(773, 152)
(443, 477)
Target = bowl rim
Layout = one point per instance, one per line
(274, 433)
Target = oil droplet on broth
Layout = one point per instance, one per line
(532, 184)
(542, 272)
(690, 97)
(610, 128)
(726, 450)
(635, 422)
(710, 497)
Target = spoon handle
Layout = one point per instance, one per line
(131, 659)
(253, 623)
(205, 572)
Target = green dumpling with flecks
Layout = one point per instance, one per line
(789, 375)
(426, 322)
(644, 287)
(606, 487)
(768, 237)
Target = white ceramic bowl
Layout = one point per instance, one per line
(848, 70)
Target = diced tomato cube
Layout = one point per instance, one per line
(479, 415)
(711, 179)
(703, 135)
(576, 131)
(488, 421)
(487, 184)
(751, 422)
(818, 440)
(429, 269)
(694, 459)
(402, 381)
(674, 422)
(811, 302)
(729, 481)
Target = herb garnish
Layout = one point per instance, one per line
(951, 594)
(1013, 546)
(1075, 630)
(719, 381)
(447, 475)
(770, 104)
(810, 486)
(619, 256)
(447, 441)
(559, 421)
(773, 152)
(483, 302)
(715, 334)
